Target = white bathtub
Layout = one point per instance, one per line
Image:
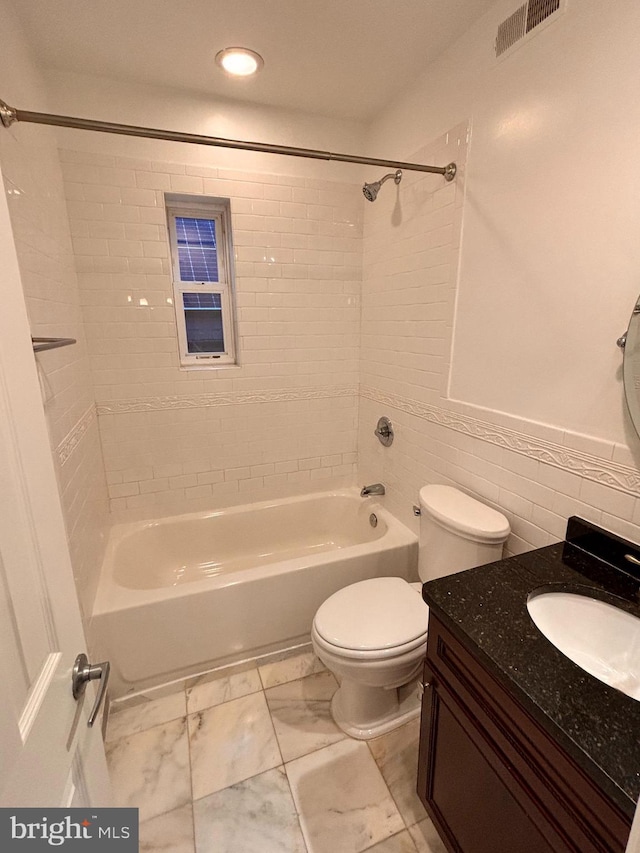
(182, 595)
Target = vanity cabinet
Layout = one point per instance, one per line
(491, 778)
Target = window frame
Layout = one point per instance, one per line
(218, 210)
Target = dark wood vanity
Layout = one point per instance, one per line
(491, 778)
(520, 751)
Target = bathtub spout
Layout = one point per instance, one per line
(375, 489)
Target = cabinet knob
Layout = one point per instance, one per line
(422, 686)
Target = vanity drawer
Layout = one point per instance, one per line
(490, 776)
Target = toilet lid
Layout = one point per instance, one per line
(380, 613)
(464, 515)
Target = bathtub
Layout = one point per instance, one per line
(183, 595)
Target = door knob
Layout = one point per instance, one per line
(83, 672)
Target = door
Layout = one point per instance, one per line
(48, 754)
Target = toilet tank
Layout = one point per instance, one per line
(457, 532)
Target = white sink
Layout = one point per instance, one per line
(598, 637)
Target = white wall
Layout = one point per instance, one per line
(532, 257)
(548, 268)
(550, 256)
(33, 183)
(133, 103)
(284, 421)
(562, 443)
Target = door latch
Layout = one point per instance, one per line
(83, 672)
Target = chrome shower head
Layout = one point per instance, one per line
(371, 190)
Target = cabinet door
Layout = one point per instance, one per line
(491, 778)
(468, 793)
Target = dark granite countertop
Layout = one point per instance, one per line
(486, 608)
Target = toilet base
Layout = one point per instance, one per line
(367, 712)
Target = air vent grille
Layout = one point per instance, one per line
(539, 10)
(525, 19)
(511, 30)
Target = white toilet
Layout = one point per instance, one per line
(373, 635)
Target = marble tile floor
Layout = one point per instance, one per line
(252, 762)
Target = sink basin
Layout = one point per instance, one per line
(600, 638)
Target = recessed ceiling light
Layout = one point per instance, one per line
(239, 61)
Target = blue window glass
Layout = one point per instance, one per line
(202, 300)
(203, 320)
(197, 249)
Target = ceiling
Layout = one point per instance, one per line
(340, 58)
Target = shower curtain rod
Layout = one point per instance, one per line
(9, 115)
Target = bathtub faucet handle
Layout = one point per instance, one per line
(375, 489)
(384, 432)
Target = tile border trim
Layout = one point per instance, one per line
(198, 401)
(75, 435)
(603, 471)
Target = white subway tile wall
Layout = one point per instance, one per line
(85, 501)
(537, 474)
(298, 248)
(289, 419)
(33, 183)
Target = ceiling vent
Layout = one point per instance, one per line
(519, 25)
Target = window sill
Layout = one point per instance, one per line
(210, 366)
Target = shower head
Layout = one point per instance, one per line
(371, 190)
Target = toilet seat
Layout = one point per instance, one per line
(371, 655)
(376, 619)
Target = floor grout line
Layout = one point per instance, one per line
(193, 814)
(239, 782)
(295, 806)
(282, 766)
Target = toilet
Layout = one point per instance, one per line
(373, 634)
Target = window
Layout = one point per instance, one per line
(201, 256)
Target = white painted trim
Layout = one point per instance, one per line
(197, 401)
(218, 210)
(633, 844)
(38, 694)
(75, 435)
(613, 474)
(604, 471)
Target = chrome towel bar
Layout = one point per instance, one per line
(41, 344)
